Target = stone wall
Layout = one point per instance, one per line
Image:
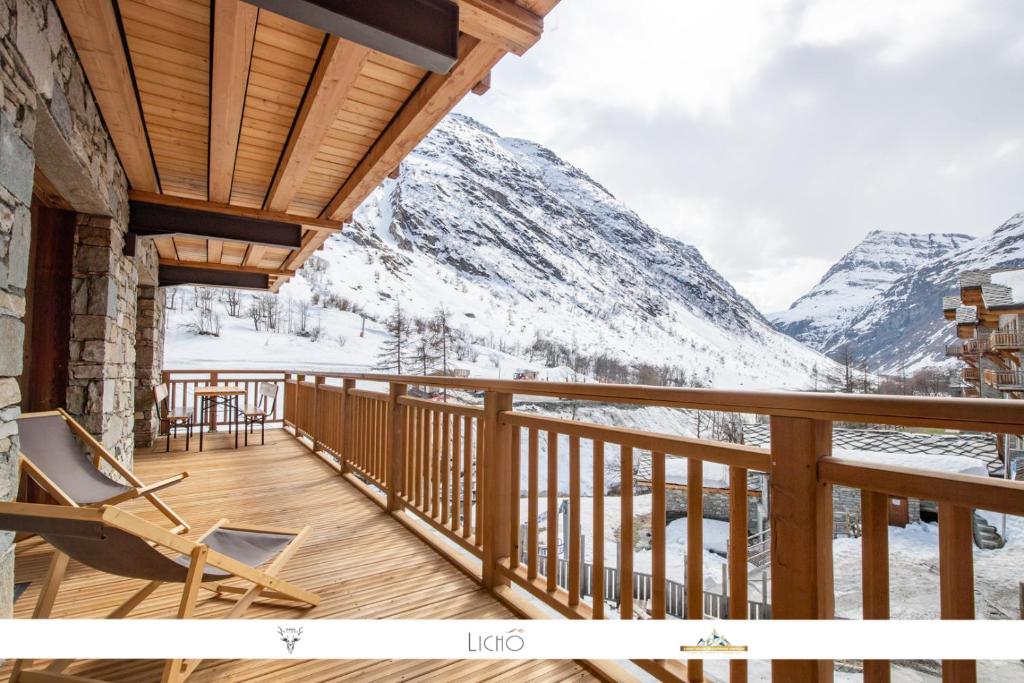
(149, 361)
(49, 120)
(716, 506)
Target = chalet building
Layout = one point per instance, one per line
(988, 316)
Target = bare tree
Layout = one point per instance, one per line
(233, 302)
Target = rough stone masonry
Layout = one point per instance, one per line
(49, 120)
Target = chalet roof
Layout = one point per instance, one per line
(974, 278)
(951, 303)
(996, 295)
(231, 109)
(966, 314)
(981, 447)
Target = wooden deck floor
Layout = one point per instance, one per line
(362, 563)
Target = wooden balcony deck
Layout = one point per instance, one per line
(364, 565)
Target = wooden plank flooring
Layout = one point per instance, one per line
(362, 563)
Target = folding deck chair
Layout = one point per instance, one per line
(54, 460)
(117, 542)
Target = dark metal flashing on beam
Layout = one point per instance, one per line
(181, 275)
(149, 220)
(422, 32)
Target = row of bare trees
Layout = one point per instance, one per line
(421, 345)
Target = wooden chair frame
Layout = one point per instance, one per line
(101, 454)
(261, 417)
(168, 421)
(264, 582)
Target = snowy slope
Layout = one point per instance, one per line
(520, 245)
(904, 322)
(865, 271)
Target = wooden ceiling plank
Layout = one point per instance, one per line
(214, 251)
(435, 97)
(234, 31)
(309, 222)
(94, 31)
(254, 255)
(335, 74)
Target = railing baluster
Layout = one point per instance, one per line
(445, 467)
(467, 476)
(694, 553)
(456, 470)
(875, 571)
(574, 522)
(597, 569)
(956, 581)
(626, 533)
(737, 560)
(421, 430)
(435, 461)
(658, 535)
(552, 501)
(481, 467)
(516, 490)
(533, 486)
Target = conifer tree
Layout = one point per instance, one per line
(395, 351)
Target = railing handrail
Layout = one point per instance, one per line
(989, 415)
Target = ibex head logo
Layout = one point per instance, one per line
(290, 636)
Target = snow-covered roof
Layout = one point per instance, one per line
(1013, 280)
(950, 303)
(920, 447)
(952, 464)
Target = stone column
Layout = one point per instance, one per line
(101, 387)
(149, 361)
(17, 128)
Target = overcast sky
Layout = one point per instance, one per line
(774, 134)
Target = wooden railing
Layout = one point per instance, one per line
(1007, 339)
(1005, 379)
(971, 374)
(458, 467)
(181, 386)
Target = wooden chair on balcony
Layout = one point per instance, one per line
(117, 542)
(52, 457)
(266, 404)
(172, 417)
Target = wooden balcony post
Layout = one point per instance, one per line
(214, 381)
(497, 487)
(394, 476)
(801, 532)
(344, 449)
(316, 427)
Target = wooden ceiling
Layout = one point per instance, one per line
(221, 107)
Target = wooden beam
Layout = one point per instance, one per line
(483, 85)
(336, 71)
(254, 255)
(308, 222)
(432, 100)
(424, 32)
(501, 22)
(234, 30)
(187, 275)
(147, 220)
(94, 31)
(203, 265)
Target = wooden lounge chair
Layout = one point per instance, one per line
(265, 406)
(54, 460)
(172, 417)
(117, 542)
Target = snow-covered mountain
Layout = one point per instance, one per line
(520, 245)
(868, 269)
(903, 324)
